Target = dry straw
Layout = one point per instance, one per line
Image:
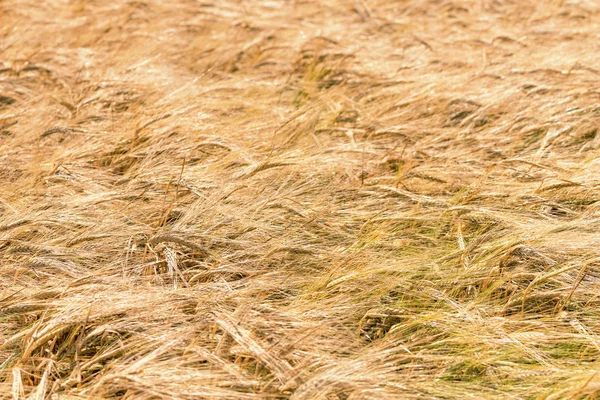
(362, 199)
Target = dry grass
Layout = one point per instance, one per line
(342, 199)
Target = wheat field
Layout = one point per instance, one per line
(294, 199)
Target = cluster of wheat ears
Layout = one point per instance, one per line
(273, 199)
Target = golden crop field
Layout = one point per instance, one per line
(299, 199)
